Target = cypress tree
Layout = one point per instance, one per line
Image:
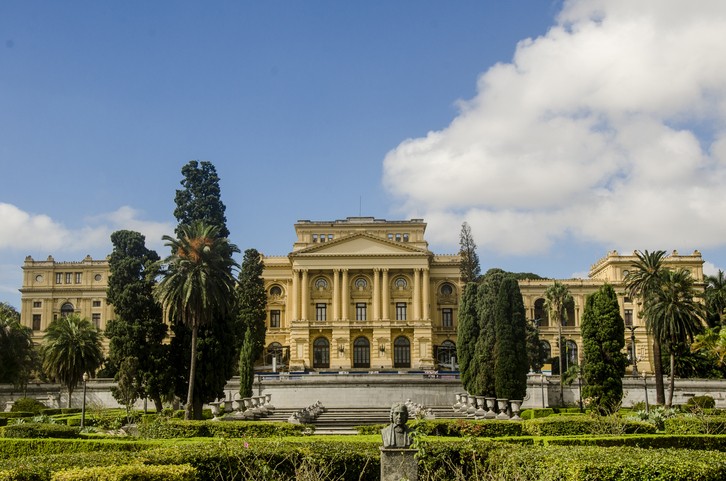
(603, 338)
(485, 357)
(252, 302)
(469, 264)
(467, 334)
(246, 365)
(511, 362)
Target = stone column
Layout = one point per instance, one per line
(336, 294)
(426, 292)
(416, 294)
(385, 288)
(346, 296)
(294, 294)
(305, 295)
(376, 295)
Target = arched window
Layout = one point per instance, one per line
(276, 291)
(400, 283)
(361, 283)
(321, 283)
(446, 353)
(570, 311)
(67, 309)
(401, 352)
(570, 354)
(540, 313)
(447, 289)
(546, 349)
(361, 352)
(321, 353)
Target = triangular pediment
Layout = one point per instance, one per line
(360, 245)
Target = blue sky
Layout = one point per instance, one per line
(558, 130)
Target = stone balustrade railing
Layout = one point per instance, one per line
(482, 407)
(250, 408)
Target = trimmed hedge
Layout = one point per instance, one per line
(129, 472)
(28, 404)
(695, 425)
(16, 414)
(575, 425)
(38, 430)
(462, 427)
(164, 428)
(14, 448)
(536, 413)
(649, 441)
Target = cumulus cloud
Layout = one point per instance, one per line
(610, 128)
(27, 232)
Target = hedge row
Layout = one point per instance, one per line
(546, 426)
(13, 448)
(38, 430)
(16, 414)
(164, 428)
(649, 441)
(136, 472)
(695, 425)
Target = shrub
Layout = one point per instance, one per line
(136, 472)
(28, 404)
(19, 447)
(164, 428)
(51, 411)
(70, 410)
(17, 414)
(536, 413)
(702, 402)
(39, 430)
(695, 425)
(468, 427)
(576, 425)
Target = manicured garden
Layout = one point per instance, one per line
(548, 444)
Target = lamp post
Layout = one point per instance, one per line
(83, 408)
(633, 357)
(541, 387)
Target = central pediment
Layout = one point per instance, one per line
(360, 245)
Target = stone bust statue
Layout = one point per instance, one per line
(397, 434)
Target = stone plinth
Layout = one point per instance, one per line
(398, 465)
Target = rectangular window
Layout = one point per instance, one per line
(68, 277)
(275, 318)
(58, 277)
(398, 237)
(36, 322)
(405, 237)
(37, 304)
(628, 317)
(79, 276)
(360, 311)
(330, 237)
(447, 319)
(315, 238)
(96, 318)
(390, 236)
(320, 312)
(96, 303)
(322, 237)
(400, 311)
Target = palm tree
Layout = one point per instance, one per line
(675, 314)
(715, 298)
(557, 297)
(641, 281)
(71, 346)
(197, 283)
(16, 351)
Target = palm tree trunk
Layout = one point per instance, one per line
(192, 372)
(658, 371)
(70, 396)
(673, 374)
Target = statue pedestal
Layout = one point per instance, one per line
(398, 464)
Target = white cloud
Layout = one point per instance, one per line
(610, 128)
(26, 232)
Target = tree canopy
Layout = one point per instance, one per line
(16, 348)
(200, 198)
(252, 298)
(469, 264)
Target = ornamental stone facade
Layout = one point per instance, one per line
(359, 294)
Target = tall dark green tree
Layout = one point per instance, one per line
(16, 348)
(200, 198)
(469, 264)
(246, 366)
(71, 346)
(485, 352)
(603, 339)
(675, 315)
(197, 286)
(511, 364)
(138, 330)
(252, 300)
(643, 280)
(536, 354)
(467, 334)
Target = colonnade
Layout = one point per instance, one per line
(383, 293)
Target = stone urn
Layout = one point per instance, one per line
(490, 414)
(503, 405)
(270, 407)
(515, 404)
(471, 406)
(480, 405)
(239, 405)
(214, 406)
(457, 404)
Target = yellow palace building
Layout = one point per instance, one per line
(360, 293)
